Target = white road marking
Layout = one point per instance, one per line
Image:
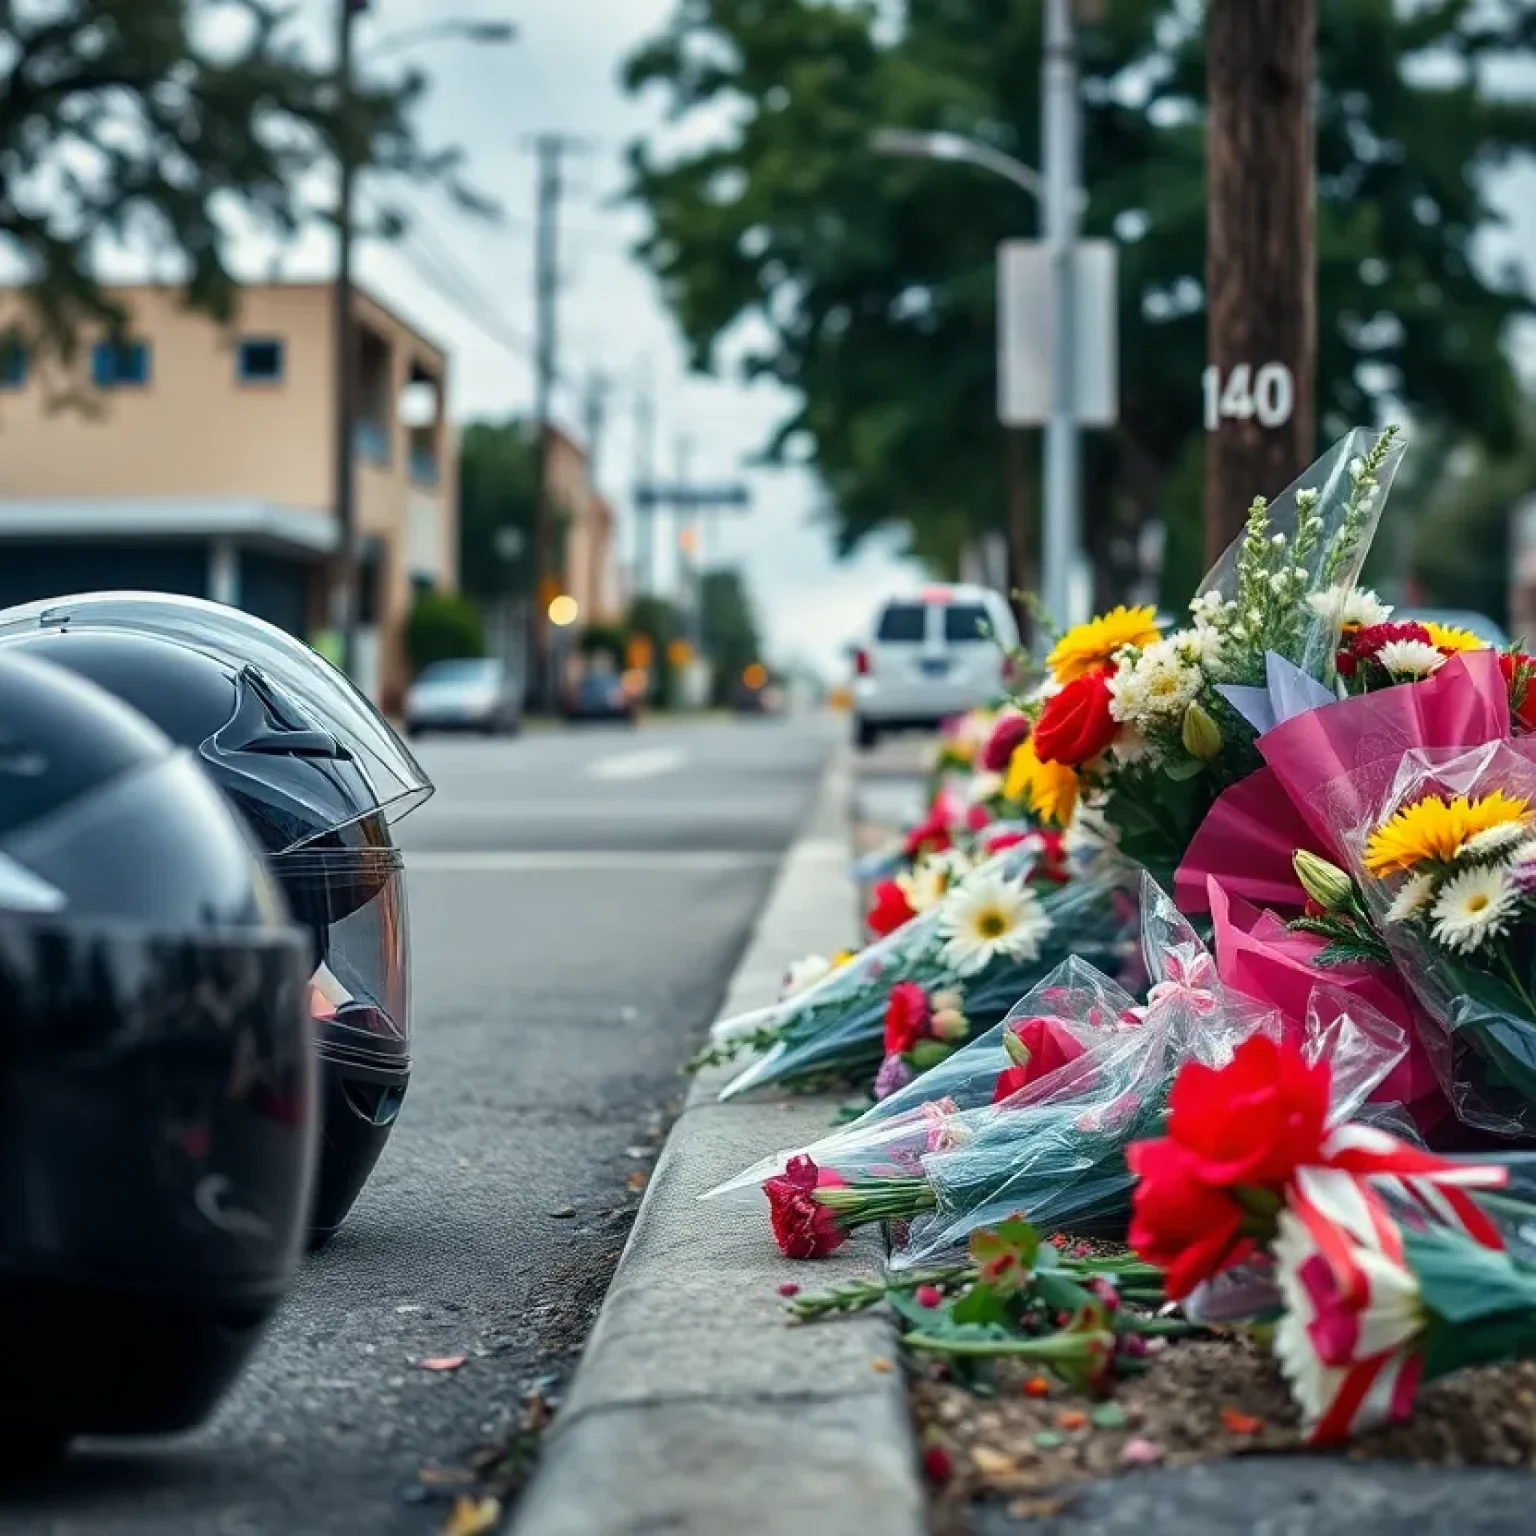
(581, 861)
(645, 764)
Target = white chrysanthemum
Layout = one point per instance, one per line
(1130, 746)
(984, 786)
(1412, 898)
(1524, 853)
(1198, 647)
(1157, 689)
(1410, 658)
(1494, 842)
(988, 918)
(1350, 605)
(1472, 906)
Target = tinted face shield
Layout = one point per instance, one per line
(397, 781)
(353, 903)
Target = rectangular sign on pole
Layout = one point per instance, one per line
(1025, 282)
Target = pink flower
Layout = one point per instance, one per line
(1008, 735)
(893, 1076)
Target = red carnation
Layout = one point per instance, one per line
(1076, 724)
(906, 1018)
(889, 909)
(802, 1226)
(1008, 735)
(1053, 855)
(1185, 1226)
(932, 833)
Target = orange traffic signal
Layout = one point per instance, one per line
(755, 676)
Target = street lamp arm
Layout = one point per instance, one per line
(915, 144)
(441, 31)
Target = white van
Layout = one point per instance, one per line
(936, 653)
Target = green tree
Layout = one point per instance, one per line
(870, 283)
(729, 631)
(660, 623)
(442, 627)
(498, 507)
(145, 120)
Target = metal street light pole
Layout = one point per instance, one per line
(1061, 198)
(1059, 137)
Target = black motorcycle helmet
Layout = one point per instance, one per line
(312, 797)
(157, 1075)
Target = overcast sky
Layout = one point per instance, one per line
(561, 75)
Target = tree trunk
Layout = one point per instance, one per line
(1261, 254)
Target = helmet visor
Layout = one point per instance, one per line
(239, 638)
(353, 903)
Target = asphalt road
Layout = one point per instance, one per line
(578, 902)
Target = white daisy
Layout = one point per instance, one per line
(988, 918)
(1471, 906)
(1494, 842)
(1411, 899)
(1525, 853)
(1350, 605)
(1410, 658)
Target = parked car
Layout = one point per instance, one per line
(472, 693)
(936, 653)
(601, 696)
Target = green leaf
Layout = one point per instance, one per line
(929, 1053)
(981, 1304)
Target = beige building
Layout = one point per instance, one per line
(591, 566)
(204, 464)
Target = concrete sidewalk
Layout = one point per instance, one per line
(696, 1408)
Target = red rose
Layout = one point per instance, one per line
(906, 1018)
(1049, 1046)
(889, 909)
(1076, 723)
(802, 1226)
(1189, 1229)
(1519, 676)
(1008, 735)
(1253, 1121)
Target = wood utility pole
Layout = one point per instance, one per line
(1259, 386)
(550, 150)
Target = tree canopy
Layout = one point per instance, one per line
(867, 286)
(147, 120)
(498, 481)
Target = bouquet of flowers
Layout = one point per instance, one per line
(1135, 724)
(910, 999)
(1447, 862)
(1036, 1117)
(1375, 1265)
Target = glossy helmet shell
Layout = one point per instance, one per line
(310, 802)
(157, 1145)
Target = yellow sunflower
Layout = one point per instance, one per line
(1087, 647)
(1434, 829)
(1447, 637)
(1050, 788)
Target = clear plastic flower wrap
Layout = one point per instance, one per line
(1446, 860)
(973, 1144)
(963, 963)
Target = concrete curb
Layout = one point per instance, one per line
(695, 1408)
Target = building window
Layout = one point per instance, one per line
(13, 365)
(120, 364)
(260, 360)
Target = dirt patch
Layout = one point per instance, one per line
(1199, 1400)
